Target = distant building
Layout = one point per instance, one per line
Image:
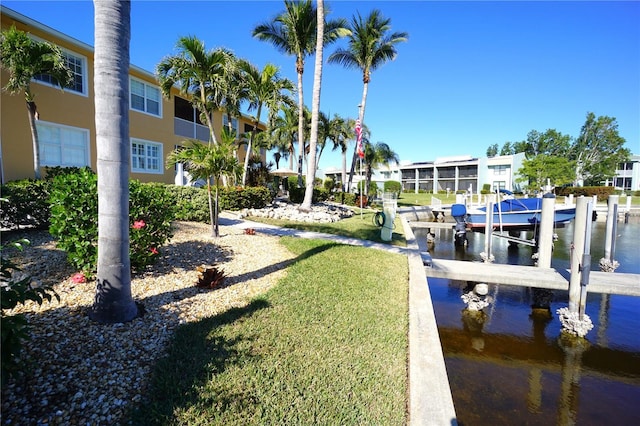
(627, 175)
(462, 173)
(66, 126)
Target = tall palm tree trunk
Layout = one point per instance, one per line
(300, 127)
(113, 302)
(32, 110)
(315, 109)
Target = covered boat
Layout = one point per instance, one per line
(514, 214)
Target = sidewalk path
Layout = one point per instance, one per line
(430, 400)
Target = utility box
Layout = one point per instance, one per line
(389, 207)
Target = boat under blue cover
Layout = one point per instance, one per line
(518, 214)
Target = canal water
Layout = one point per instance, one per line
(510, 365)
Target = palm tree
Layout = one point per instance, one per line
(24, 58)
(340, 130)
(315, 109)
(264, 89)
(113, 302)
(370, 46)
(209, 162)
(324, 124)
(206, 78)
(285, 132)
(375, 156)
(293, 32)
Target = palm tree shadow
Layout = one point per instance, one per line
(196, 352)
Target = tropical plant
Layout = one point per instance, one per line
(293, 32)
(263, 89)
(284, 133)
(340, 131)
(209, 162)
(24, 58)
(206, 78)
(370, 45)
(113, 301)
(376, 155)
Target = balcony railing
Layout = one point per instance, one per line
(189, 129)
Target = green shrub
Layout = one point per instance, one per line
(373, 189)
(329, 184)
(26, 204)
(74, 214)
(14, 328)
(74, 218)
(191, 203)
(238, 198)
(296, 195)
(602, 192)
(151, 204)
(393, 186)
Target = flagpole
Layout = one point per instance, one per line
(361, 188)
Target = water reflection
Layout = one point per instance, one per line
(509, 364)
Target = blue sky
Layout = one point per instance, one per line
(471, 74)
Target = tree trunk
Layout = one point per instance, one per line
(300, 128)
(31, 108)
(315, 109)
(113, 302)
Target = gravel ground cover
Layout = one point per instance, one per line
(80, 372)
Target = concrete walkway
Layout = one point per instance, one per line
(430, 400)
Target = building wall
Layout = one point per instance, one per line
(76, 111)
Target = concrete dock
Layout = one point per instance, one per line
(531, 276)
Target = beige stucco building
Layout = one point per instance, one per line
(66, 126)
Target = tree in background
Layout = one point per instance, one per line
(113, 302)
(205, 78)
(492, 151)
(340, 132)
(370, 45)
(537, 170)
(376, 155)
(293, 32)
(264, 89)
(598, 150)
(24, 58)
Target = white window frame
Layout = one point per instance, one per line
(145, 157)
(235, 124)
(146, 86)
(62, 145)
(83, 74)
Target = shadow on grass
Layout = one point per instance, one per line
(195, 353)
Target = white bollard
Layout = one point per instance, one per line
(612, 227)
(577, 250)
(545, 235)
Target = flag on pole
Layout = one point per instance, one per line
(359, 148)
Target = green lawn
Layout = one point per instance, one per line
(327, 345)
(360, 226)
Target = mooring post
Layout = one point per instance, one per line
(585, 264)
(612, 227)
(577, 250)
(545, 235)
(488, 230)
